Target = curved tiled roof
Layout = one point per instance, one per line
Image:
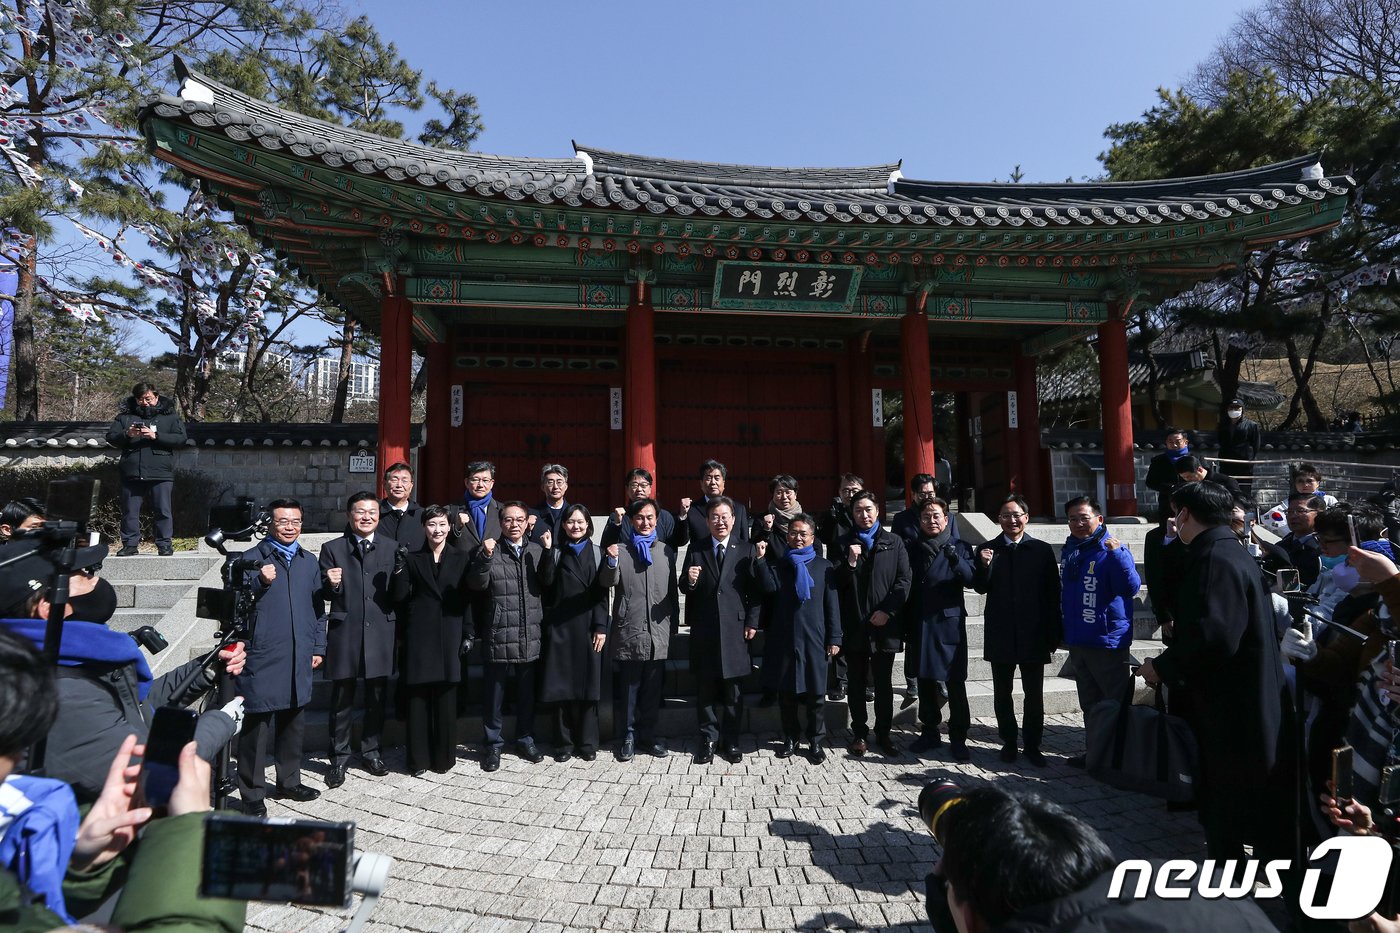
(92, 435)
(597, 178)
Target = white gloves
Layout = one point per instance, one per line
(1298, 645)
(234, 710)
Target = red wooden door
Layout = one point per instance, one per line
(521, 427)
(758, 418)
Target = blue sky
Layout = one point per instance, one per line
(959, 91)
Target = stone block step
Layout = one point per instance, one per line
(188, 565)
(129, 620)
(150, 594)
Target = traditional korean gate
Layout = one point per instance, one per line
(758, 418)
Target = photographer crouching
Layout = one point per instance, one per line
(1017, 862)
(104, 682)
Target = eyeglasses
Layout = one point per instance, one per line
(513, 519)
(1300, 511)
(1082, 519)
(1012, 516)
(287, 522)
(362, 513)
(1332, 542)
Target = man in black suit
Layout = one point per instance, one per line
(549, 515)
(712, 477)
(670, 529)
(923, 489)
(873, 579)
(1226, 654)
(722, 613)
(356, 568)
(1021, 579)
(400, 517)
(1300, 542)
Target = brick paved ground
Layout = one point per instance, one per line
(661, 844)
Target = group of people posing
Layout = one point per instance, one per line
(414, 590)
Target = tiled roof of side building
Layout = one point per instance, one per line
(93, 434)
(873, 194)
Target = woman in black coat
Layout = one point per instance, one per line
(942, 565)
(431, 643)
(575, 629)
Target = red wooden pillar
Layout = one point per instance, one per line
(435, 463)
(639, 382)
(1120, 474)
(395, 379)
(918, 390)
(1028, 413)
(861, 458)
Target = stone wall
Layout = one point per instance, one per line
(317, 475)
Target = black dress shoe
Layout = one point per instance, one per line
(1034, 756)
(837, 695)
(529, 752)
(858, 746)
(627, 750)
(909, 700)
(927, 741)
(960, 752)
(301, 793)
(335, 776)
(420, 772)
(886, 744)
(589, 755)
(165, 550)
(732, 754)
(376, 766)
(491, 761)
(254, 808)
(1008, 752)
(705, 754)
(564, 755)
(817, 755)
(128, 550)
(787, 748)
(655, 747)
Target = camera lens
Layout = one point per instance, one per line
(935, 800)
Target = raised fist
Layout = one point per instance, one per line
(986, 555)
(334, 575)
(1112, 543)
(268, 572)
(619, 514)
(685, 507)
(768, 521)
(530, 524)
(546, 540)
(853, 554)
(761, 549)
(693, 574)
(489, 546)
(612, 551)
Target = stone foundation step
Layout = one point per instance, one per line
(129, 620)
(150, 594)
(185, 565)
(677, 718)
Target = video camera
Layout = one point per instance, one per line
(935, 801)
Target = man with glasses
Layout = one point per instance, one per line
(288, 642)
(360, 634)
(832, 524)
(549, 515)
(400, 517)
(1300, 542)
(512, 574)
(671, 529)
(1021, 579)
(1099, 584)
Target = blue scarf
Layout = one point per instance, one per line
(641, 545)
(89, 642)
(1176, 455)
(288, 551)
(868, 537)
(1074, 545)
(800, 558)
(478, 510)
(578, 547)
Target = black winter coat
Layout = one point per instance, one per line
(880, 581)
(1162, 478)
(289, 629)
(545, 520)
(700, 524)
(1022, 620)
(436, 616)
(1239, 440)
(406, 527)
(798, 633)
(719, 606)
(1163, 565)
(510, 631)
(937, 607)
(144, 459)
(1225, 651)
(361, 617)
(576, 609)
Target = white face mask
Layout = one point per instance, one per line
(1235, 412)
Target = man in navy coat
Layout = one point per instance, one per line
(288, 642)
